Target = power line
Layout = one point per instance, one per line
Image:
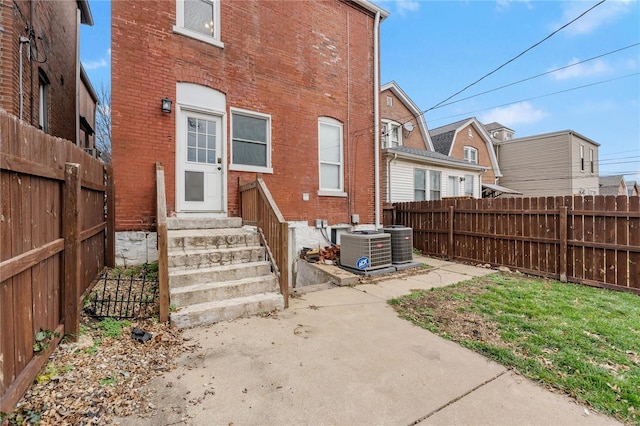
(517, 56)
(536, 76)
(537, 97)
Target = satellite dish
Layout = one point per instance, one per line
(408, 127)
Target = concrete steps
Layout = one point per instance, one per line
(217, 272)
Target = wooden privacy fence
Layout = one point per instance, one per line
(258, 208)
(593, 240)
(54, 240)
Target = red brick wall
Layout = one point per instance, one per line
(294, 60)
(476, 141)
(55, 22)
(400, 113)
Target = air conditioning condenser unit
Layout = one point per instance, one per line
(365, 250)
(401, 243)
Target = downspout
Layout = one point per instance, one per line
(77, 82)
(376, 113)
(23, 40)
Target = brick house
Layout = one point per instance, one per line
(468, 140)
(285, 89)
(411, 169)
(40, 71)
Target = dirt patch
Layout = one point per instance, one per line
(448, 313)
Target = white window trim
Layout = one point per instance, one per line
(180, 29)
(470, 149)
(387, 125)
(329, 192)
(246, 167)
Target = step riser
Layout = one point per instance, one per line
(225, 313)
(214, 293)
(215, 258)
(204, 223)
(242, 271)
(212, 242)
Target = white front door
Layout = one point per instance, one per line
(199, 183)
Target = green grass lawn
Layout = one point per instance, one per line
(580, 340)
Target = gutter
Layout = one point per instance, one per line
(376, 117)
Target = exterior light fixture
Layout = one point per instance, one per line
(166, 105)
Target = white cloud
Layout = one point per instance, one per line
(586, 69)
(520, 113)
(94, 65)
(405, 6)
(604, 14)
(504, 4)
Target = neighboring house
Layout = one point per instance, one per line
(87, 109)
(411, 169)
(499, 132)
(633, 188)
(468, 140)
(551, 164)
(40, 72)
(612, 185)
(287, 89)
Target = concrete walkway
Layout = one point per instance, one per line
(342, 356)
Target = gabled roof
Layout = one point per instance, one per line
(432, 157)
(443, 138)
(610, 185)
(495, 126)
(548, 135)
(411, 106)
(630, 185)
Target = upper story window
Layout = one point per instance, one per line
(471, 154)
(391, 134)
(591, 161)
(582, 158)
(199, 19)
(389, 101)
(250, 141)
(330, 154)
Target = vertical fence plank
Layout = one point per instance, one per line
(588, 238)
(622, 238)
(562, 232)
(72, 250)
(599, 269)
(578, 229)
(634, 240)
(610, 265)
(451, 248)
(110, 250)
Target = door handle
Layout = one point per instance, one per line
(219, 167)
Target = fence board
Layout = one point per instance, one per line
(622, 237)
(634, 240)
(578, 229)
(610, 263)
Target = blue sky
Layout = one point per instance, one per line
(432, 49)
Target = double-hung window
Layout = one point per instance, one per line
(43, 102)
(434, 185)
(419, 185)
(471, 154)
(468, 185)
(330, 154)
(582, 158)
(392, 134)
(199, 19)
(591, 160)
(250, 141)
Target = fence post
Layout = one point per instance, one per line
(450, 248)
(110, 252)
(163, 249)
(71, 250)
(562, 223)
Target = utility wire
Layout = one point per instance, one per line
(536, 76)
(517, 56)
(537, 97)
